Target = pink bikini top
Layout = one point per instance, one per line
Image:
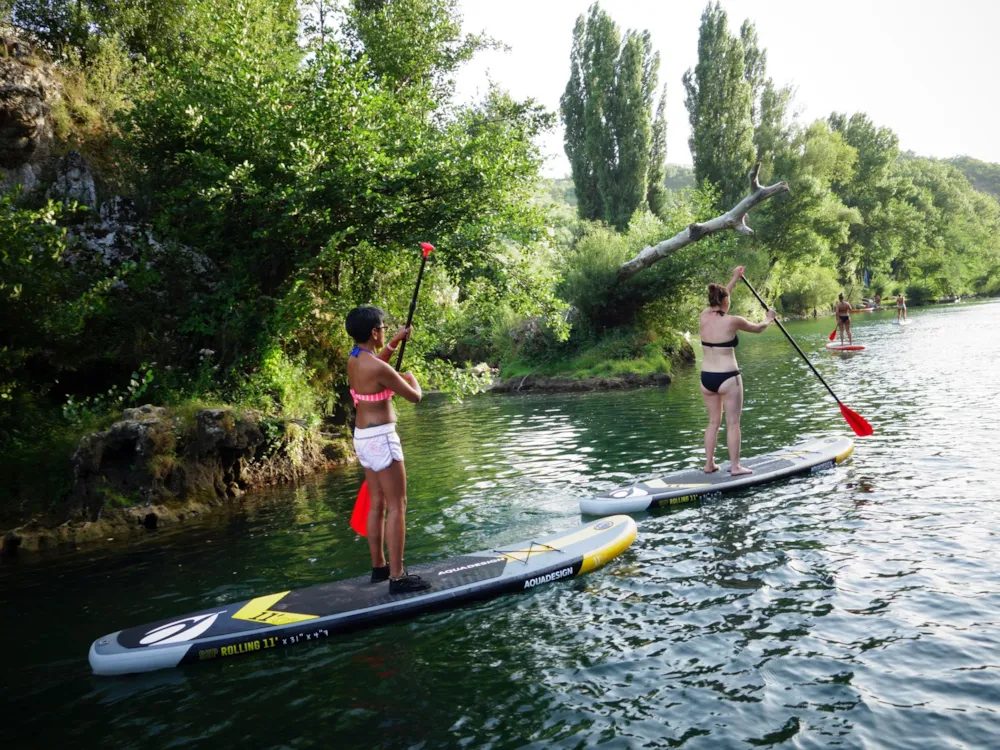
(368, 397)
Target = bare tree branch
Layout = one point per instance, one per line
(735, 218)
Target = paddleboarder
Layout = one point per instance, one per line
(844, 319)
(373, 383)
(900, 307)
(721, 382)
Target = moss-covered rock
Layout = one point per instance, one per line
(156, 467)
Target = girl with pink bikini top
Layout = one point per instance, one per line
(373, 382)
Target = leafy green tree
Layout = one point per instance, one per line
(875, 192)
(754, 68)
(809, 222)
(310, 179)
(984, 176)
(413, 43)
(656, 191)
(720, 108)
(611, 140)
(76, 28)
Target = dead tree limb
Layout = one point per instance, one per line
(735, 218)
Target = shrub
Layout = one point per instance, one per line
(921, 291)
(809, 288)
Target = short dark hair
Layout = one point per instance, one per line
(361, 320)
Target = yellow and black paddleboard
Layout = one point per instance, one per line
(685, 486)
(287, 618)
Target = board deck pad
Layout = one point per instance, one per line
(288, 617)
(691, 484)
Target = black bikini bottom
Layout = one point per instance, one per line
(713, 380)
(845, 318)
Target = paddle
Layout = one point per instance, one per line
(359, 517)
(858, 423)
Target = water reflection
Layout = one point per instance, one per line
(854, 607)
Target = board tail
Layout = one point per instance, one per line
(359, 518)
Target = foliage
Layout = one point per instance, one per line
(720, 107)
(45, 304)
(678, 177)
(590, 266)
(984, 175)
(623, 351)
(615, 147)
(78, 30)
(308, 180)
(809, 288)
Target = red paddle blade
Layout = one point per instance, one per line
(833, 335)
(359, 518)
(428, 248)
(858, 423)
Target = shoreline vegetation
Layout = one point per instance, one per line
(188, 209)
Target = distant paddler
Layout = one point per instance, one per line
(844, 319)
(900, 307)
(721, 382)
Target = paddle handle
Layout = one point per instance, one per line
(791, 340)
(413, 306)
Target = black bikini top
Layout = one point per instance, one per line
(732, 344)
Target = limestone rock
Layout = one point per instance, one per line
(74, 182)
(27, 91)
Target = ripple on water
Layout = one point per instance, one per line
(858, 607)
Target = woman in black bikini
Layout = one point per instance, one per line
(844, 319)
(721, 382)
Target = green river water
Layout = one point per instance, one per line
(857, 607)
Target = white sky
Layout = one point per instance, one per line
(928, 70)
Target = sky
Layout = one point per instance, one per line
(924, 69)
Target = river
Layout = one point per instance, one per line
(855, 607)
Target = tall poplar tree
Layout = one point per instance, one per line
(611, 141)
(656, 190)
(719, 103)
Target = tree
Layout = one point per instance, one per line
(656, 192)
(308, 179)
(75, 28)
(875, 192)
(754, 68)
(610, 140)
(719, 103)
(412, 43)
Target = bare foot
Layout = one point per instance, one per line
(738, 470)
(711, 468)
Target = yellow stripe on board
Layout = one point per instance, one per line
(561, 542)
(259, 610)
(661, 485)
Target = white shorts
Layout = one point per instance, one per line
(377, 447)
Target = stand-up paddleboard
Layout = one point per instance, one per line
(684, 486)
(291, 617)
(904, 322)
(846, 347)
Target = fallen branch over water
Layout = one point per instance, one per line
(735, 218)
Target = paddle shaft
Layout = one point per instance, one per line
(791, 340)
(413, 306)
